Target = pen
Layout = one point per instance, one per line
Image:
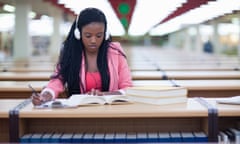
(33, 90)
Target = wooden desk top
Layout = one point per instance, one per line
(203, 74)
(152, 82)
(21, 86)
(137, 110)
(25, 76)
(184, 75)
(194, 84)
(136, 75)
(199, 67)
(225, 109)
(147, 75)
(190, 84)
(28, 69)
(209, 84)
(6, 105)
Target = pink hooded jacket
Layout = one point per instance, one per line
(120, 75)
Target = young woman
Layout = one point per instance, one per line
(89, 61)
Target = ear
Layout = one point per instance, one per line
(107, 34)
(77, 34)
(76, 31)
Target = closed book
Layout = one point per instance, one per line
(109, 137)
(156, 91)
(88, 137)
(120, 137)
(66, 138)
(131, 137)
(159, 101)
(26, 138)
(236, 133)
(223, 137)
(77, 137)
(153, 137)
(142, 137)
(55, 138)
(187, 137)
(175, 137)
(99, 137)
(200, 136)
(164, 137)
(46, 137)
(36, 138)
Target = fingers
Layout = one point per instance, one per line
(95, 92)
(38, 99)
(46, 96)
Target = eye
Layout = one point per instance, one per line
(87, 35)
(99, 35)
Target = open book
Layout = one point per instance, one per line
(229, 100)
(84, 99)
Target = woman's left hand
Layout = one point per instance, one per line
(95, 92)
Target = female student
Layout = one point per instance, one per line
(89, 61)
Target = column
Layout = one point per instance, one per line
(198, 42)
(21, 46)
(56, 39)
(187, 40)
(215, 40)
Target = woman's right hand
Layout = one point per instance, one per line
(38, 99)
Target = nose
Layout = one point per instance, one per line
(93, 39)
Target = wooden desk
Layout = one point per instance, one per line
(19, 89)
(211, 88)
(199, 88)
(200, 67)
(228, 115)
(196, 88)
(188, 75)
(5, 106)
(28, 69)
(184, 75)
(189, 116)
(25, 76)
(136, 75)
(147, 67)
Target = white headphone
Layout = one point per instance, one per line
(78, 35)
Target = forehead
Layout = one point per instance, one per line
(94, 26)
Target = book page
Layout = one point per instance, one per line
(82, 99)
(117, 99)
(229, 100)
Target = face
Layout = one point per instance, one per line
(92, 36)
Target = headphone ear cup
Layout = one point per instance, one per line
(107, 35)
(77, 34)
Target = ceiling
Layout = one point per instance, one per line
(143, 16)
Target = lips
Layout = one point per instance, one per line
(92, 46)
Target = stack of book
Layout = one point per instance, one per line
(157, 95)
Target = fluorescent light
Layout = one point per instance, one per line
(198, 15)
(32, 15)
(8, 8)
(148, 13)
(114, 25)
